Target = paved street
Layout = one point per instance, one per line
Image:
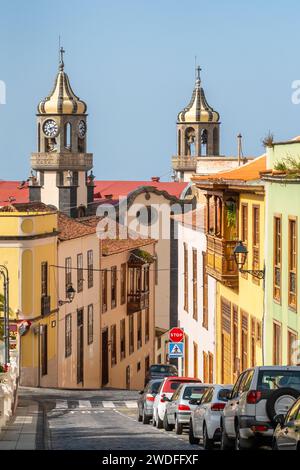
(91, 420)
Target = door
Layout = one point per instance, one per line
(80, 346)
(105, 377)
(230, 409)
(128, 377)
(226, 358)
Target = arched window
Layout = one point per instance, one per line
(216, 141)
(39, 137)
(204, 142)
(190, 138)
(179, 142)
(68, 135)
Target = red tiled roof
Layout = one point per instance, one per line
(247, 172)
(71, 228)
(116, 189)
(13, 191)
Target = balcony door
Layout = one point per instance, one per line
(105, 375)
(80, 346)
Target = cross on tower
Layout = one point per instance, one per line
(61, 62)
(198, 70)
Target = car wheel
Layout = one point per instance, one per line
(226, 443)
(192, 438)
(159, 422)
(274, 444)
(146, 419)
(167, 426)
(207, 442)
(178, 426)
(153, 419)
(242, 444)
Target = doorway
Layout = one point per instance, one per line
(80, 346)
(105, 377)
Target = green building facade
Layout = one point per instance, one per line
(282, 254)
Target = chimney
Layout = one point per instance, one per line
(155, 179)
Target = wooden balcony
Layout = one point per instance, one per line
(137, 302)
(220, 260)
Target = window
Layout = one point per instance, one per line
(147, 364)
(68, 335)
(68, 134)
(277, 259)
(138, 367)
(186, 303)
(276, 344)
(195, 345)
(104, 290)
(113, 338)
(90, 323)
(235, 340)
(205, 291)
(205, 367)
(139, 330)
(244, 340)
(159, 359)
(256, 241)
(292, 348)
(44, 279)
(131, 334)
(258, 333)
(90, 268)
(123, 283)
(195, 285)
(113, 286)
(147, 325)
(79, 272)
(44, 349)
(210, 368)
(244, 231)
(292, 263)
(122, 339)
(253, 342)
(68, 273)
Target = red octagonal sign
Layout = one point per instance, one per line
(176, 335)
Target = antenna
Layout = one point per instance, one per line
(239, 138)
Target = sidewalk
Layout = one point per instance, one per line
(21, 432)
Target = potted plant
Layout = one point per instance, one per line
(3, 371)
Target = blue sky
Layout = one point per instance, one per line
(133, 63)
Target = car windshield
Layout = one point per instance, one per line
(155, 386)
(274, 379)
(193, 393)
(162, 369)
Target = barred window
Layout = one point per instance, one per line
(113, 338)
(79, 272)
(90, 268)
(68, 273)
(68, 335)
(90, 324)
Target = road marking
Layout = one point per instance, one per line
(23, 419)
(61, 404)
(84, 404)
(131, 404)
(108, 404)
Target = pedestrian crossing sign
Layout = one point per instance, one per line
(176, 349)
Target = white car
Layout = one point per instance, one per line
(165, 392)
(205, 421)
(180, 406)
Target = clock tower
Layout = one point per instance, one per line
(60, 166)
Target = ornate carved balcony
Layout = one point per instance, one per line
(62, 161)
(220, 260)
(137, 302)
(186, 163)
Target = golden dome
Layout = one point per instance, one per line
(198, 110)
(62, 99)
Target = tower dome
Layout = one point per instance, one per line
(198, 110)
(62, 99)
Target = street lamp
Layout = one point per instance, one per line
(70, 294)
(4, 273)
(240, 253)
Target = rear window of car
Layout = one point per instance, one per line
(155, 386)
(193, 392)
(171, 385)
(162, 369)
(274, 379)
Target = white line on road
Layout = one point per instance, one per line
(61, 404)
(84, 404)
(131, 404)
(108, 404)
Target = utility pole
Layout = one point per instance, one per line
(4, 273)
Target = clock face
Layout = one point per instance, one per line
(81, 129)
(50, 128)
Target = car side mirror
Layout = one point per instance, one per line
(141, 392)
(279, 419)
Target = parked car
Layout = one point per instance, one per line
(258, 395)
(146, 400)
(157, 371)
(179, 407)
(205, 420)
(287, 432)
(166, 390)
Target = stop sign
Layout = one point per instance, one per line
(176, 335)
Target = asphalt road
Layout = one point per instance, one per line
(101, 420)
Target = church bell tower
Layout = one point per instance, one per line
(61, 164)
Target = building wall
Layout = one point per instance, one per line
(282, 198)
(136, 360)
(67, 365)
(195, 333)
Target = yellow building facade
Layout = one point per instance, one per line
(28, 248)
(235, 211)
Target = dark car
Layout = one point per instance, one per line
(287, 432)
(146, 400)
(161, 371)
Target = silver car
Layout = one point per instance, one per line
(146, 400)
(182, 403)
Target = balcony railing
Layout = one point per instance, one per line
(137, 301)
(184, 163)
(220, 260)
(61, 161)
(45, 305)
